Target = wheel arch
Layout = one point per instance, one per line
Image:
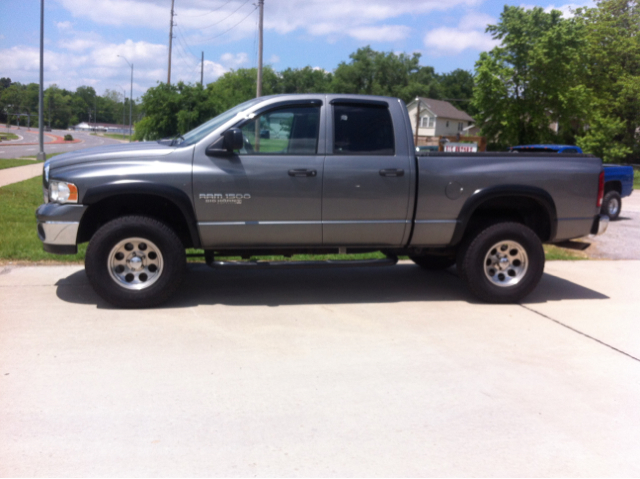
(164, 203)
(529, 205)
(614, 185)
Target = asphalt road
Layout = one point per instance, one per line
(11, 150)
(353, 372)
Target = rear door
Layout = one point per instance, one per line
(367, 174)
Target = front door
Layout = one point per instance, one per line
(367, 176)
(270, 192)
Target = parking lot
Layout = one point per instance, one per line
(351, 372)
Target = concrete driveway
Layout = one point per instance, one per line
(352, 372)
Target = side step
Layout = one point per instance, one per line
(303, 264)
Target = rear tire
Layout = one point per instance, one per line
(612, 205)
(433, 262)
(135, 262)
(503, 263)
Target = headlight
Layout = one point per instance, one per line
(62, 192)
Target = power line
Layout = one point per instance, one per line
(228, 16)
(226, 31)
(212, 11)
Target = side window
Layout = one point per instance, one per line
(362, 130)
(570, 150)
(283, 131)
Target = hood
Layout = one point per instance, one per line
(142, 150)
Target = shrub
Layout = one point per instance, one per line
(68, 137)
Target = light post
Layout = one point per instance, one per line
(124, 101)
(41, 155)
(130, 97)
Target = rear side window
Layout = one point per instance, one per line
(362, 130)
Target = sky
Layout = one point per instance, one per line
(83, 38)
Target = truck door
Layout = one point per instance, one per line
(367, 175)
(270, 192)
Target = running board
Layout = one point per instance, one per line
(303, 264)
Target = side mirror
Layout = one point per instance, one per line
(233, 139)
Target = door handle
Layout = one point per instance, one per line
(392, 172)
(299, 173)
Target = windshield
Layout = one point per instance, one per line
(203, 130)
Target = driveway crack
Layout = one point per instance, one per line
(580, 332)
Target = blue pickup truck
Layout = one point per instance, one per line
(618, 180)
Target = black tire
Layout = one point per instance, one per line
(522, 259)
(433, 262)
(611, 205)
(161, 284)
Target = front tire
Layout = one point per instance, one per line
(135, 262)
(612, 205)
(503, 263)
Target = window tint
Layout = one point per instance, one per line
(362, 130)
(284, 131)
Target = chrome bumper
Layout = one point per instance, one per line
(600, 224)
(58, 232)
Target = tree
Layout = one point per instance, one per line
(377, 73)
(457, 85)
(304, 80)
(613, 53)
(532, 79)
(238, 86)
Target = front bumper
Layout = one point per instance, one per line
(58, 227)
(600, 224)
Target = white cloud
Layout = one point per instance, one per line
(274, 59)
(469, 34)
(234, 61)
(202, 21)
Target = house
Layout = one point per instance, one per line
(439, 118)
(107, 127)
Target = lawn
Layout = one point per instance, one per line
(19, 239)
(18, 236)
(16, 162)
(636, 178)
(8, 136)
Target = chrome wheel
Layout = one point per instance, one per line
(135, 263)
(613, 207)
(506, 263)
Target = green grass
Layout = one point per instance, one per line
(19, 239)
(116, 136)
(18, 235)
(636, 178)
(23, 161)
(16, 162)
(8, 136)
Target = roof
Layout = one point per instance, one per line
(445, 109)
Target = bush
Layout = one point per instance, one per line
(68, 137)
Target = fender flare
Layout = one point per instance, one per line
(170, 193)
(540, 196)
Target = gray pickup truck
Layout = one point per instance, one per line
(315, 174)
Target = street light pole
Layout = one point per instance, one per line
(41, 156)
(130, 97)
(124, 100)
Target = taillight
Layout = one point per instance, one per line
(600, 189)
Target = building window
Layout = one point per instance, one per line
(426, 122)
(447, 123)
(460, 126)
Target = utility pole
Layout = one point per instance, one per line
(41, 156)
(124, 100)
(202, 70)
(259, 83)
(170, 42)
(417, 120)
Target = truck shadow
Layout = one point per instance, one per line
(401, 283)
